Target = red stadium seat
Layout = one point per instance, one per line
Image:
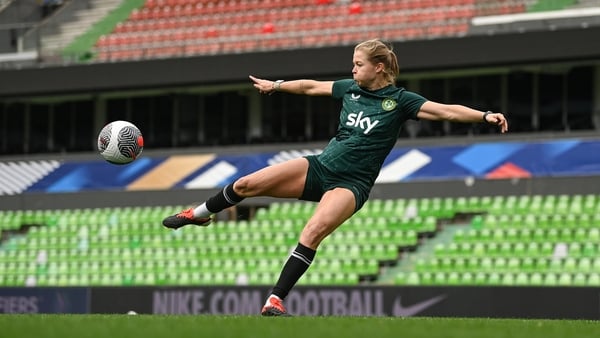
(292, 23)
(268, 28)
(355, 8)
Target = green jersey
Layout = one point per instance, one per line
(370, 122)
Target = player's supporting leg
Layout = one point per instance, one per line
(335, 207)
(285, 180)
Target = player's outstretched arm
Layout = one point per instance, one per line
(306, 87)
(458, 113)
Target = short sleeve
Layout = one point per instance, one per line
(340, 87)
(411, 103)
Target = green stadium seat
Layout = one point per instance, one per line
(555, 265)
(520, 249)
(550, 279)
(422, 265)
(575, 249)
(584, 221)
(543, 221)
(490, 221)
(584, 265)
(446, 264)
(542, 264)
(546, 249)
(452, 249)
(513, 264)
(425, 278)
(480, 279)
(479, 250)
(596, 265)
(440, 278)
(564, 279)
(529, 221)
(494, 278)
(347, 266)
(570, 265)
(566, 235)
(536, 279)
(466, 278)
(593, 279)
(594, 235)
(459, 265)
(472, 264)
(477, 222)
(506, 249)
(553, 235)
(499, 264)
(521, 279)
(528, 264)
(453, 278)
(508, 279)
(413, 278)
(498, 235)
(465, 249)
(512, 235)
(579, 279)
(401, 278)
(492, 250)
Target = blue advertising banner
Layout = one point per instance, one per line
(44, 300)
(498, 160)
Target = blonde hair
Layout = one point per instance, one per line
(377, 51)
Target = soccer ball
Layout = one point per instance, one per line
(120, 142)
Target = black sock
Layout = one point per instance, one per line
(293, 269)
(223, 200)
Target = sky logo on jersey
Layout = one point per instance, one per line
(388, 104)
(364, 123)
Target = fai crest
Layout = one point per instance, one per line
(388, 104)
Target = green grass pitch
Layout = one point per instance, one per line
(148, 326)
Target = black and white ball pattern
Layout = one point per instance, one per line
(120, 142)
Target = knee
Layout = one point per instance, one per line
(313, 234)
(310, 239)
(243, 187)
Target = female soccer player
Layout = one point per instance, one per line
(341, 177)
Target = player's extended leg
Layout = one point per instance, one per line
(335, 207)
(284, 180)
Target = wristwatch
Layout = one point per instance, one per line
(277, 85)
(485, 116)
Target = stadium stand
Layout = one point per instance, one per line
(117, 30)
(551, 240)
(547, 240)
(171, 28)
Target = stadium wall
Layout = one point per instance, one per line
(489, 302)
(389, 301)
(454, 188)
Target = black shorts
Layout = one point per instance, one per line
(319, 180)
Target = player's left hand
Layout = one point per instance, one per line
(499, 120)
(263, 86)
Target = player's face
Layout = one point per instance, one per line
(364, 72)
